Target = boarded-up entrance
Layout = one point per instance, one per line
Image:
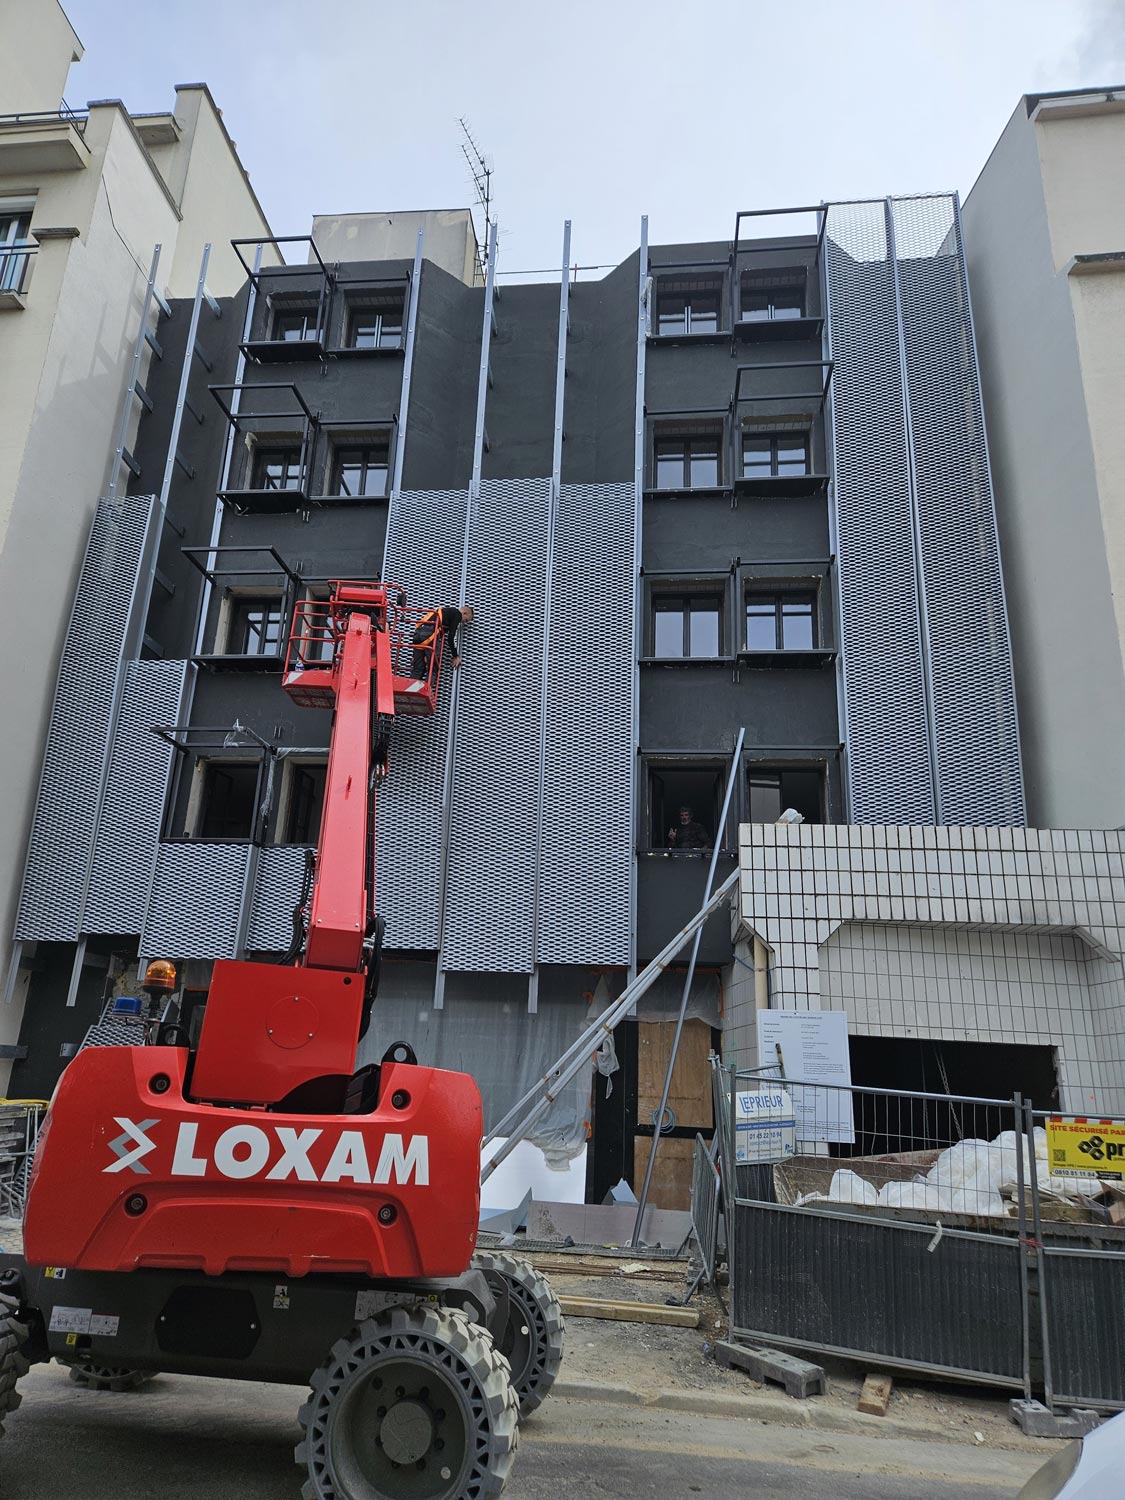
(689, 1107)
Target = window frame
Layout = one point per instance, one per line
(379, 309)
(762, 765)
(778, 598)
(674, 288)
(790, 286)
(343, 446)
(259, 457)
(197, 809)
(16, 246)
(776, 439)
(234, 601)
(662, 599)
(715, 765)
(292, 766)
(309, 312)
(685, 438)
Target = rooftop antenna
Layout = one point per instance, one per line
(482, 181)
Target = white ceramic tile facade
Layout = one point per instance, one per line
(961, 934)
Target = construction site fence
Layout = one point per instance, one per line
(706, 1204)
(920, 1232)
(20, 1123)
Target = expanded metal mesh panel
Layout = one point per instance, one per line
(134, 799)
(889, 770)
(62, 830)
(490, 887)
(195, 902)
(277, 889)
(973, 694)
(584, 881)
(425, 545)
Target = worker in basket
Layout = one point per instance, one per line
(436, 626)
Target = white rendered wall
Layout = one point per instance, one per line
(37, 48)
(450, 239)
(957, 934)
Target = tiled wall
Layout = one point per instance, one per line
(963, 934)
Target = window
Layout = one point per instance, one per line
(767, 455)
(378, 326)
(686, 625)
(255, 626)
(780, 622)
(228, 802)
(765, 304)
(361, 472)
(16, 249)
(295, 325)
(303, 802)
(773, 790)
(688, 462)
(684, 806)
(687, 307)
(277, 469)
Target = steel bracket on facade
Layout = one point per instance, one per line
(264, 278)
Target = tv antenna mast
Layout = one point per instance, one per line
(481, 170)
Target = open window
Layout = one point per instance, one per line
(684, 802)
(222, 782)
(688, 458)
(224, 802)
(685, 624)
(686, 307)
(775, 789)
(302, 799)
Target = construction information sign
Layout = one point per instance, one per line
(764, 1126)
(811, 1046)
(1080, 1147)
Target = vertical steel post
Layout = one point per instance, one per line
(150, 295)
(544, 678)
(454, 695)
(1021, 1235)
(658, 1123)
(1040, 1258)
(638, 508)
(404, 394)
(13, 971)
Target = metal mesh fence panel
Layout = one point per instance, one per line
(1083, 1294)
(196, 901)
(705, 1184)
(66, 806)
(424, 551)
(277, 888)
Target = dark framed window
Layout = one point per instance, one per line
(775, 789)
(767, 455)
(306, 802)
(277, 469)
(676, 789)
(294, 325)
(688, 462)
(256, 626)
(16, 246)
(378, 326)
(361, 473)
(764, 304)
(228, 803)
(780, 622)
(687, 307)
(685, 625)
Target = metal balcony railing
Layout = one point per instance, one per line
(15, 265)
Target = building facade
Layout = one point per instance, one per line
(1045, 243)
(85, 197)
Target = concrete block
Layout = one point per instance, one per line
(1034, 1419)
(799, 1378)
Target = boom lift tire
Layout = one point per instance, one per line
(13, 1335)
(417, 1404)
(532, 1342)
(109, 1377)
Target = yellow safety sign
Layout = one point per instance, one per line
(1080, 1147)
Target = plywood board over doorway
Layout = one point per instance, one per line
(689, 1102)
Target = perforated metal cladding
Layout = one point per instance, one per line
(62, 830)
(889, 769)
(973, 695)
(584, 882)
(277, 888)
(134, 799)
(425, 544)
(490, 883)
(196, 898)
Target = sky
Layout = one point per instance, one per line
(598, 110)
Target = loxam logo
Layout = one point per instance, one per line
(1098, 1149)
(275, 1154)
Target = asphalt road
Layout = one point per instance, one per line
(185, 1439)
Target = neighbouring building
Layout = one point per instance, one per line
(1045, 245)
(85, 197)
(737, 485)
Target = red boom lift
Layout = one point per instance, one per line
(254, 1207)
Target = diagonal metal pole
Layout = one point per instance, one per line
(732, 781)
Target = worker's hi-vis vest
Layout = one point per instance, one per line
(427, 627)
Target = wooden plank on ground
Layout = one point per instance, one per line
(630, 1312)
(876, 1395)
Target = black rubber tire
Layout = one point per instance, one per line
(109, 1377)
(533, 1346)
(13, 1335)
(440, 1348)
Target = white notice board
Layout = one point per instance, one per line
(814, 1048)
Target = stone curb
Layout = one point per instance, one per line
(783, 1411)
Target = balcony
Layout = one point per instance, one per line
(34, 144)
(15, 272)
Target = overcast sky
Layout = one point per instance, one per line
(598, 110)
